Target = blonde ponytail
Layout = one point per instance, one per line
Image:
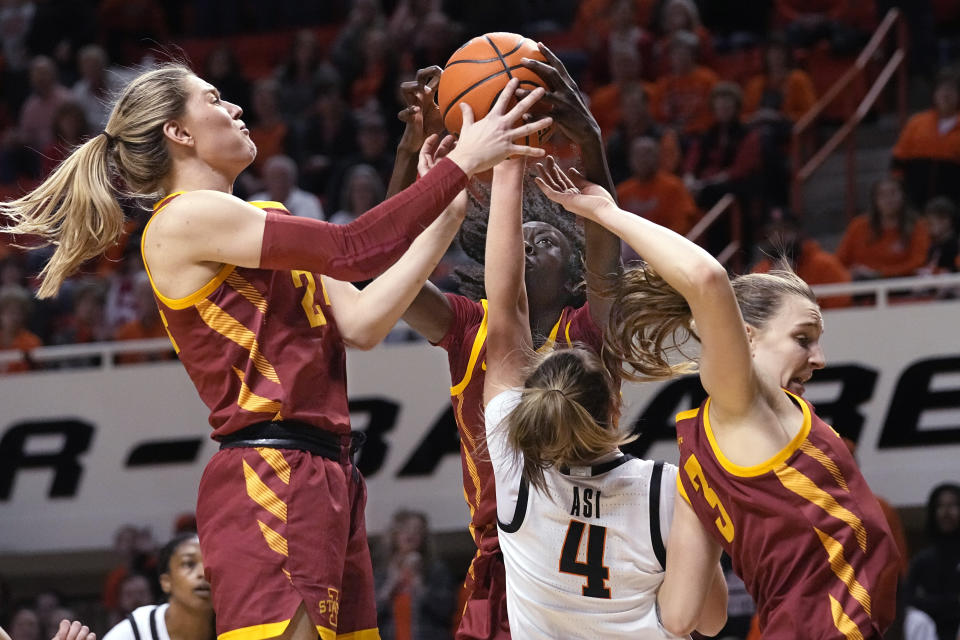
(567, 414)
(649, 322)
(75, 209)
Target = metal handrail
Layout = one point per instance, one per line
(896, 63)
(882, 288)
(723, 205)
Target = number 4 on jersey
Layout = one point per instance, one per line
(593, 569)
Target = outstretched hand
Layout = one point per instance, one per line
(432, 151)
(571, 190)
(564, 100)
(486, 142)
(73, 631)
(421, 115)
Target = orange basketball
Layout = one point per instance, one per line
(477, 73)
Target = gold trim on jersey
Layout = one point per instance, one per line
(263, 495)
(242, 286)
(275, 541)
(256, 632)
(274, 458)
(267, 204)
(768, 465)
(232, 329)
(686, 415)
(552, 338)
(842, 621)
(478, 341)
(842, 569)
(798, 483)
(202, 292)
(811, 450)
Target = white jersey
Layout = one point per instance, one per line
(581, 562)
(145, 623)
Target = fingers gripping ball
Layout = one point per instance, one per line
(479, 70)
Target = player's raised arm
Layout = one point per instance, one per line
(508, 324)
(697, 279)
(571, 115)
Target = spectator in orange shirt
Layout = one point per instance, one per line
(886, 242)
(781, 90)
(784, 237)
(927, 154)
(147, 324)
(941, 216)
(14, 309)
(681, 15)
(655, 194)
(638, 121)
(269, 131)
(681, 98)
(86, 323)
(606, 101)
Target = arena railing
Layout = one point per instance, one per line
(729, 255)
(870, 295)
(893, 25)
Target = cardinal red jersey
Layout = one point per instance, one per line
(465, 343)
(803, 529)
(260, 345)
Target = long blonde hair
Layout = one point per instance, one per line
(650, 321)
(567, 414)
(76, 208)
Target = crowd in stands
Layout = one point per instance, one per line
(692, 105)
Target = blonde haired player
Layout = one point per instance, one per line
(581, 524)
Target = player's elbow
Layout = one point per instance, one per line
(362, 338)
(711, 625)
(678, 619)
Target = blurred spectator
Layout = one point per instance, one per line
(299, 75)
(59, 28)
(941, 216)
(726, 158)
(927, 153)
(654, 194)
(347, 50)
(92, 90)
(371, 149)
(135, 591)
(362, 190)
(933, 584)
(330, 134)
(606, 101)
(681, 98)
(781, 90)
(784, 239)
(736, 24)
(121, 305)
(147, 323)
(223, 71)
(374, 87)
(86, 322)
(47, 605)
(16, 17)
(35, 127)
(638, 121)
(845, 25)
(408, 18)
(269, 130)
(435, 41)
(70, 130)
(414, 588)
(135, 550)
(25, 625)
(280, 181)
(681, 15)
(886, 242)
(189, 610)
(596, 19)
(15, 305)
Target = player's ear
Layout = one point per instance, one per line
(165, 583)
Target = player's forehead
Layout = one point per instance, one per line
(535, 227)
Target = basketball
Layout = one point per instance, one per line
(478, 71)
